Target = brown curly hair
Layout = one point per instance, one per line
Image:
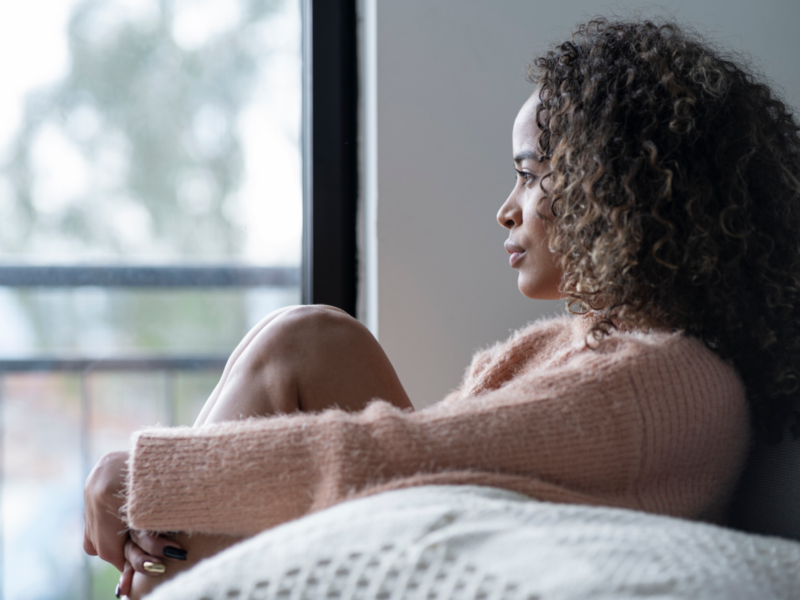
(675, 195)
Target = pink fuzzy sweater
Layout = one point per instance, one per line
(649, 421)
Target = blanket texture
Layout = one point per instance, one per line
(465, 542)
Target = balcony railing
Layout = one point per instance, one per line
(148, 276)
(84, 368)
(169, 366)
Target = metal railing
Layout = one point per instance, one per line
(129, 276)
(148, 276)
(83, 368)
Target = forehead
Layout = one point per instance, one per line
(526, 131)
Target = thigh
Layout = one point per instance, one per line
(232, 360)
(306, 358)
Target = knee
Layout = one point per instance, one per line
(316, 325)
(302, 330)
(315, 316)
(317, 312)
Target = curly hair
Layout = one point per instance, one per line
(675, 195)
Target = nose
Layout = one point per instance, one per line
(510, 214)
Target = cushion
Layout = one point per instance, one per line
(469, 542)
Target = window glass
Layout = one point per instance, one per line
(150, 131)
(133, 134)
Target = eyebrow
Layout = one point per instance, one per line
(527, 155)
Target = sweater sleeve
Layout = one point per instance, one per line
(577, 429)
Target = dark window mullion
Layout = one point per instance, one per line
(330, 153)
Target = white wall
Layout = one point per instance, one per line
(443, 82)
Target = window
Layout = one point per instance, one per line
(170, 172)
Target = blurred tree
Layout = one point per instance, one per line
(153, 128)
(136, 156)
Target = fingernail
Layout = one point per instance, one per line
(177, 553)
(116, 591)
(152, 567)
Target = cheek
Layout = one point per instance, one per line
(536, 203)
(535, 227)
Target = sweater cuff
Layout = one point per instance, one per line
(199, 481)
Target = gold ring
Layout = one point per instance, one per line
(152, 567)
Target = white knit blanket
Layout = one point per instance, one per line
(470, 542)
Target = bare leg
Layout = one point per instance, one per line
(305, 358)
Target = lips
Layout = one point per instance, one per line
(515, 251)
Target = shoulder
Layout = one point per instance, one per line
(673, 373)
(565, 341)
(650, 359)
(664, 353)
(653, 365)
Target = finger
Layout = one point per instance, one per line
(88, 546)
(125, 580)
(142, 562)
(158, 545)
(110, 547)
(103, 498)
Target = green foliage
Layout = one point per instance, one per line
(157, 125)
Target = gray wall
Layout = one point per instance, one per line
(446, 82)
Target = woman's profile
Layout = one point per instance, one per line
(657, 191)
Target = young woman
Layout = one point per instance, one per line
(658, 192)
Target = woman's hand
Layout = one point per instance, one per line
(146, 552)
(104, 495)
(107, 535)
(143, 554)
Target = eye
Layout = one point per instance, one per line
(525, 177)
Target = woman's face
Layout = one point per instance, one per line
(539, 272)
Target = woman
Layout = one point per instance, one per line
(658, 191)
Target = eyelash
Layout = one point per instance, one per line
(526, 177)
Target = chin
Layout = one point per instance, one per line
(540, 291)
(542, 296)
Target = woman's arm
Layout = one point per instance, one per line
(297, 359)
(615, 427)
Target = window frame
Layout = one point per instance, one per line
(330, 153)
